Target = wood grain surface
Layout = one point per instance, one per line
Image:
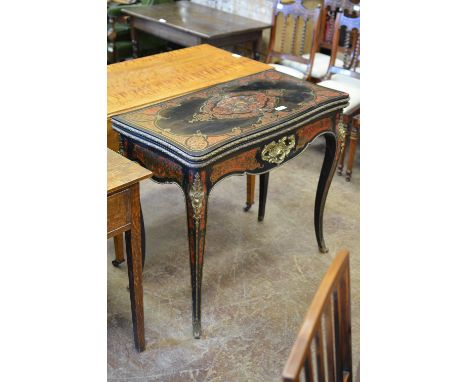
(122, 172)
(199, 20)
(140, 82)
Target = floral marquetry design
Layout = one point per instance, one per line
(243, 105)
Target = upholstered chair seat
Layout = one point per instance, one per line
(345, 84)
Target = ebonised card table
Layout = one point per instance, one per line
(189, 24)
(248, 125)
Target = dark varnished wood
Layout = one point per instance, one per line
(332, 342)
(190, 24)
(201, 138)
(263, 195)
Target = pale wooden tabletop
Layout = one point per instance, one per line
(122, 173)
(140, 82)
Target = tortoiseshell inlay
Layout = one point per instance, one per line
(200, 122)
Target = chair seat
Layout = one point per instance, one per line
(288, 70)
(345, 84)
(320, 67)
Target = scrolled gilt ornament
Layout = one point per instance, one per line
(342, 133)
(277, 152)
(196, 196)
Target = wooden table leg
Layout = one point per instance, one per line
(143, 240)
(134, 265)
(263, 195)
(343, 152)
(119, 250)
(353, 138)
(196, 197)
(134, 37)
(326, 175)
(256, 47)
(250, 192)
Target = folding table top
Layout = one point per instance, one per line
(208, 121)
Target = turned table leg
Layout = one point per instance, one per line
(326, 175)
(263, 195)
(250, 192)
(353, 138)
(134, 265)
(196, 197)
(134, 37)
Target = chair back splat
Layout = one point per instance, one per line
(352, 37)
(295, 31)
(322, 351)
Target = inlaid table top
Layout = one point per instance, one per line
(122, 173)
(199, 20)
(201, 124)
(140, 82)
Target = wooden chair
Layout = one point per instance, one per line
(353, 141)
(322, 351)
(294, 40)
(347, 77)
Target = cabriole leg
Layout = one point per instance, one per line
(326, 176)
(196, 196)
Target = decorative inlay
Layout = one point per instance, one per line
(196, 196)
(239, 163)
(200, 122)
(277, 152)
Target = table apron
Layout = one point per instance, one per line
(246, 160)
(166, 32)
(233, 39)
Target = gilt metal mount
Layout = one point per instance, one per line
(277, 152)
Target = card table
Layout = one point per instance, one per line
(140, 82)
(248, 125)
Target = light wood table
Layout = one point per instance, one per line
(123, 215)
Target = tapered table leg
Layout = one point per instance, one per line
(196, 196)
(119, 250)
(143, 240)
(134, 265)
(250, 192)
(326, 175)
(263, 195)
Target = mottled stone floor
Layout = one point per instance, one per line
(258, 281)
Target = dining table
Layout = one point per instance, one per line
(187, 23)
(215, 120)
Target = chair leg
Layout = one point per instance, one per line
(353, 138)
(250, 192)
(119, 250)
(263, 195)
